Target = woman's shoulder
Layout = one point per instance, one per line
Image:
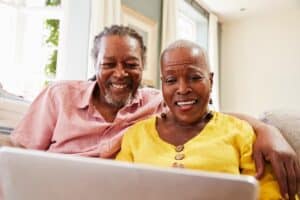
(232, 121)
(142, 128)
(147, 123)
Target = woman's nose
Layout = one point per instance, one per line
(183, 87)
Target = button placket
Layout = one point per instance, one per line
(179, 156)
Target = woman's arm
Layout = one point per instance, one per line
(271, 146)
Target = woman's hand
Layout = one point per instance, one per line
(272, 147)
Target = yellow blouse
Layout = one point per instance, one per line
(224, 145)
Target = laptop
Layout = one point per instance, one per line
(37, 175)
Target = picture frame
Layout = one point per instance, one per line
(147, 28)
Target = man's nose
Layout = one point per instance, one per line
(120, 71)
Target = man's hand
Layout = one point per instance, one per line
(272, 147)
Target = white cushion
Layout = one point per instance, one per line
(11, 111)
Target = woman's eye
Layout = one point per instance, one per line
(170, 80)
(196, 78)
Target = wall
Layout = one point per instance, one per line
(153, 10)
(260, 63)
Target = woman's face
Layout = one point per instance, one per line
(186, 84)
(119, 69)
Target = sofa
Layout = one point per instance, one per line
(288, 122)
(11, 111)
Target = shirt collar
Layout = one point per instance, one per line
(86, 95)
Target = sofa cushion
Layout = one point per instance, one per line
(288, 122)
(11, 111)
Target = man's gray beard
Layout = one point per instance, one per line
(118, 104)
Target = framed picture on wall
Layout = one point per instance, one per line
(147, 28)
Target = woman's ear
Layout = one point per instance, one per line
(211, 79)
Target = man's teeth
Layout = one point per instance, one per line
(183, 103)
(119, 86)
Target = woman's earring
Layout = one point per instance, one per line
(163, 115)
(210, 101)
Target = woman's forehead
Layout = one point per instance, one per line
(192, 57)
(182, 56)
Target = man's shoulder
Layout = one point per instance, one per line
(150, 92)
(69, 87)
(70, 84)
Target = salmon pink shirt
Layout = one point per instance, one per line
(62, 119)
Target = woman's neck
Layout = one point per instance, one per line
(176, 133)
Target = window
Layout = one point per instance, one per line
(192, 23)
(29, 44)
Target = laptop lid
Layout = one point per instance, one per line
(37, 175)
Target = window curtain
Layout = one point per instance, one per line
(169, 23)
(103, 13)
(213, 57)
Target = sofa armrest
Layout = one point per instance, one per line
(288, 122)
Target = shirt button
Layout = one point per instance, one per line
(179, 156)
(179, 148)
(180, 165)
(177, 165)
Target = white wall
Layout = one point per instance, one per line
(260, 63)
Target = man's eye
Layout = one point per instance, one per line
(108, 65)
(132, 65)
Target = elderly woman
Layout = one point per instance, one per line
(189, 135)
(89, 118)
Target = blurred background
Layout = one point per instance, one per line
(253, 46)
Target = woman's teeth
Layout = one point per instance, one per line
(184, 103)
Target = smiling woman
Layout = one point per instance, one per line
(189, 135)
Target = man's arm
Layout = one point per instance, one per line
(271, 146)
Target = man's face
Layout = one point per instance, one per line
(186, 84)
(119, 69)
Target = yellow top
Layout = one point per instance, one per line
(224, 145)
